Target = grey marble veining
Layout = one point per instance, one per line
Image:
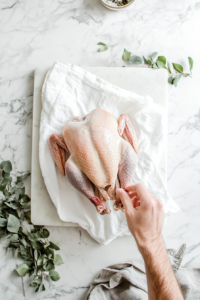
(35, 33)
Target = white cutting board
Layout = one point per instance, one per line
(143, 81)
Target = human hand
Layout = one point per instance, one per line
(144, 214)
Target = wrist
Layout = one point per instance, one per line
(151, 247)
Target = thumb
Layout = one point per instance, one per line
(125, 199)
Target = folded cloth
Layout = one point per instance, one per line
(128, 280)
(70, 91)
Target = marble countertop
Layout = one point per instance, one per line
(36, 33)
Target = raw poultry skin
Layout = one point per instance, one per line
(102, 156)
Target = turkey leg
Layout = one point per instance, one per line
(82, 183)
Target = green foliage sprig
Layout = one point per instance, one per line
(157, 62)
(32, 246)
(103, 47)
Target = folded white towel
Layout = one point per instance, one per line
(70, 91)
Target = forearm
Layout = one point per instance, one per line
(162, 283)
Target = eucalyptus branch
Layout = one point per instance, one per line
(33, 246)
(157, 62)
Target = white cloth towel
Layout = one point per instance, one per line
(70, 91)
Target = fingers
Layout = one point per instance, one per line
(125, 199)
(142, 193)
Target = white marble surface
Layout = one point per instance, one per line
(35, 33)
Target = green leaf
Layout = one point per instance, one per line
(45, 233)
(22, 269)
(54, 275)
(147, 61)
(12, 205)
(160, 64)
(49, 253)
(27, 215)
(6, 166)
(126, 55)
(26, 205)
(5, 175)
(102, 44)
(53, 246)
(41, 288)
(2, 232)
(176, 79)
(48, 278)
(191, 63)
(23, 177)
(6, 181)
(161, 59)
(36, 254)
(49, 266)
(3, 222)
(134, 59)
(40, 260)
(178, 67)
(170, 79)
(155, 66)
(58, 260)
(24, 199)
(153, 55)
(33, 284)
(46, 245)
(14, 238)
(36, 245)
(103, 48)
(13, 224)
(169, 67)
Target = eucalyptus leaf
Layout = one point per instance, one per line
(12, 205)
(24, 199)
(126, 55)
(177, 67)
(14, 237)
(40, 260)
(161, 59)
(155, 66)
(191, 63)
(6, 180)
(147, 61)
(33, 284)
(48, 278)
(176, 79)
(36, 245)
(13, 224)
(134, 59)
(103, 48)
(58, 260)
(49, 266)
(24, 242)
(2, 232)
(36, 254)
(54, 275)
(27, 215)
(169, 67)
(45, 233)
(49, 253)
(26, 205)
(22, 269)
(160, 64)
(6, 166)
(53, 246)
(3, 222)
(170, 79)
(153, 55)
(23, 177)
(41, 287)
(102, 44)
